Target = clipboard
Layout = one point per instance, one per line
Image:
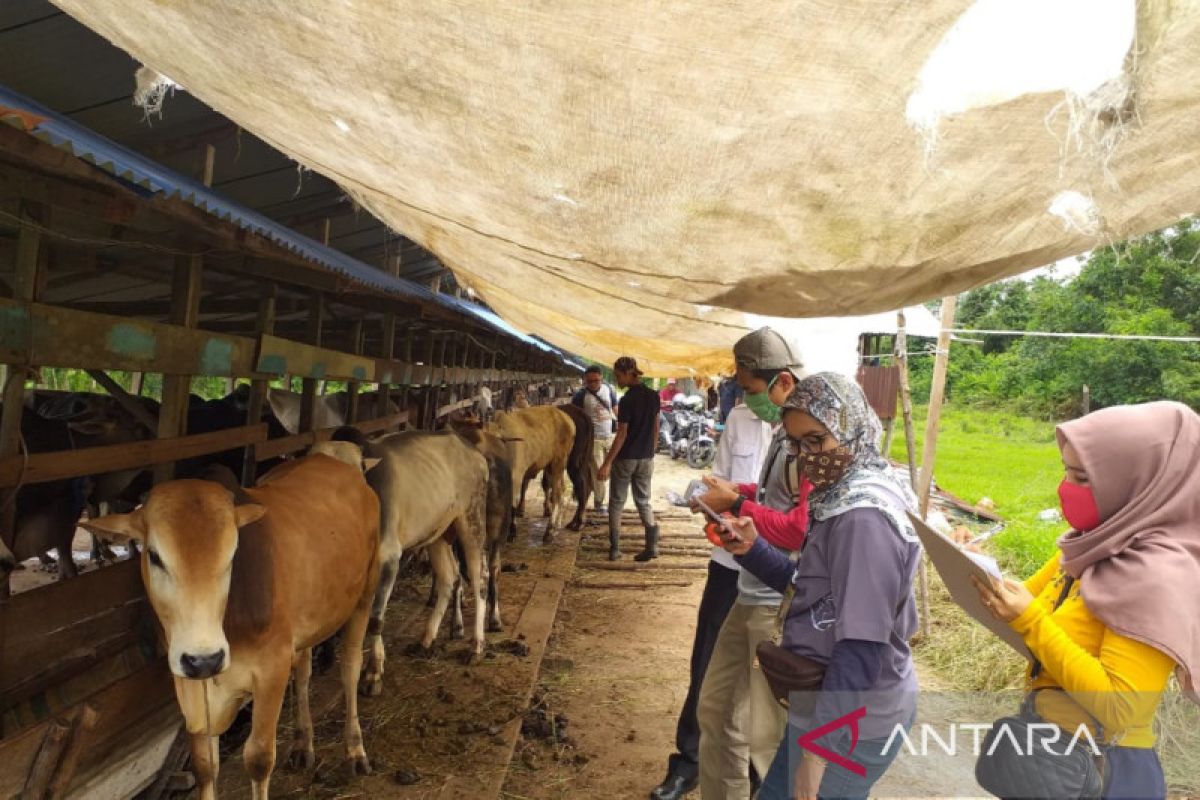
(956, 568)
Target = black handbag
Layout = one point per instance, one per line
(1016, 762)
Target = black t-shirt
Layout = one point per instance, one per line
(638, 409)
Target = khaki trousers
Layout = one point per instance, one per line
(599, 453)
(735, 690)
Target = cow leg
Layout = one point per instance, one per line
(351, 656)
(471, 533)
(445, 572)
(493, 591)
(519, 506)
(259, 753)
(302, 755)
(546, 509)
(206, 761)
(456, 619)
(372, 679)
(554, 497)
(581, 495)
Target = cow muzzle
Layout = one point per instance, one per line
(202, 665)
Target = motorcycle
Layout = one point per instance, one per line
(702, 441)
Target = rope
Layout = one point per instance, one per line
(1056, 335)
(212, 753)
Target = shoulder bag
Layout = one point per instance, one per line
(1046, 771)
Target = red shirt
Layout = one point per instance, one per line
(665, 396)
(785, 529)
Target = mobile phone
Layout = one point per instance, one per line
(717, 518)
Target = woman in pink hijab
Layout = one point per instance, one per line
(1117, 610)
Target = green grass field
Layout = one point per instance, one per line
(1013, 460)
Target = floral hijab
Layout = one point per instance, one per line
(840, 405)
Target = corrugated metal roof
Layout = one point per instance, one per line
(151, 177)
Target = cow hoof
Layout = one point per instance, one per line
(371, 686)
(495, 626)
(358, 765)
(473, 657)
(575, 525)
(548, 537)
(457, 633)
(301, 759)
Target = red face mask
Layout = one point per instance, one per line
(1078, 505)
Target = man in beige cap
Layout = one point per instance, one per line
(733, 688)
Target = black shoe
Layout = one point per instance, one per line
(674, 787)
(651, 550)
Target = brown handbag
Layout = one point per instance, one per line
(786, 672)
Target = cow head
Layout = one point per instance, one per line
(189, 532)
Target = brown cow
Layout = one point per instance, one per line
(539, 439)
(244, 583)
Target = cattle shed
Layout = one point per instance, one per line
(176, 244)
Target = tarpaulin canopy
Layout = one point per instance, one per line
(629, 177)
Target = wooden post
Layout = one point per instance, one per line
(135, 409)
(258, 387)
(1086, 404)
(356, 338)
(137, 381)
(308, 398)
(24, 286)
(906, 399)
(387, 347)
(185, 311)
(889, 431)
(432, 393)
(936, 394)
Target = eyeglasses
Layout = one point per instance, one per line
(811, 443)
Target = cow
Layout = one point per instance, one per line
(46, 513)
(539, 440)
(431, 485)
(244, 583)
(499, 517)
(581, 466)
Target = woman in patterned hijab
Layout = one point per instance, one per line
(851, 607)
(843, 460)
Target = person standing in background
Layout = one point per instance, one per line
(599, 402)
(631, 459)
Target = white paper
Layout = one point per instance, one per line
(956, 566)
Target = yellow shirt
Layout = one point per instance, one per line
(1117, 680)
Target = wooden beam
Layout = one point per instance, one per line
(135, 409)
(42, 467)
(278, 356)
(35, 334)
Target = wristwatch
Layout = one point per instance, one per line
(736, 508)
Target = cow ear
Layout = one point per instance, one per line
(370, 463)
(248, 514)
(118, 527)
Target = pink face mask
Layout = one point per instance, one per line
(1078, 505)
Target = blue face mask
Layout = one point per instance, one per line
(760, 403)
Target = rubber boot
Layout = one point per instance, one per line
(651, 550)
(614, 550)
